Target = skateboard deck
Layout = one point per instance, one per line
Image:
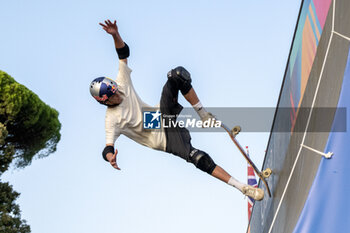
(262, 175)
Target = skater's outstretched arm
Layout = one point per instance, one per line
(112, 29)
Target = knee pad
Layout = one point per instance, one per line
(202, 161)
(182, 78)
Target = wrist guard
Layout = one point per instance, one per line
(124, 52)
(106, 150)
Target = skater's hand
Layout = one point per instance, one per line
(112, 158)
(109, 27)
(208, 117)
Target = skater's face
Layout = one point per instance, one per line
(114, 100)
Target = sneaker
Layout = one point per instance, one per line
(255, 193)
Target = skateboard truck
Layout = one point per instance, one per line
(235, 130)
(266, 173)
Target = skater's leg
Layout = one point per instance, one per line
(179, 79)
(192, 97)
(222, 175)
(182, 80)
(205, 163)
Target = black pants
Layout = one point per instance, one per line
(178, 139)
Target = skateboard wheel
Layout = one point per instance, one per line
(267, 172)
(236, 130)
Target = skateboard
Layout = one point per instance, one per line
(262, 175)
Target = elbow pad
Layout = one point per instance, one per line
(124, 52)
(106, 150)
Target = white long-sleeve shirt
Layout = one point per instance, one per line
(127, 118)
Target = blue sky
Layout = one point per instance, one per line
(236, 52)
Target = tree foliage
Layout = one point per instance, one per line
(10, 215)
(6, 152)
(28, 128)
(32, 127)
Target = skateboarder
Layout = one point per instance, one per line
(124, 116)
